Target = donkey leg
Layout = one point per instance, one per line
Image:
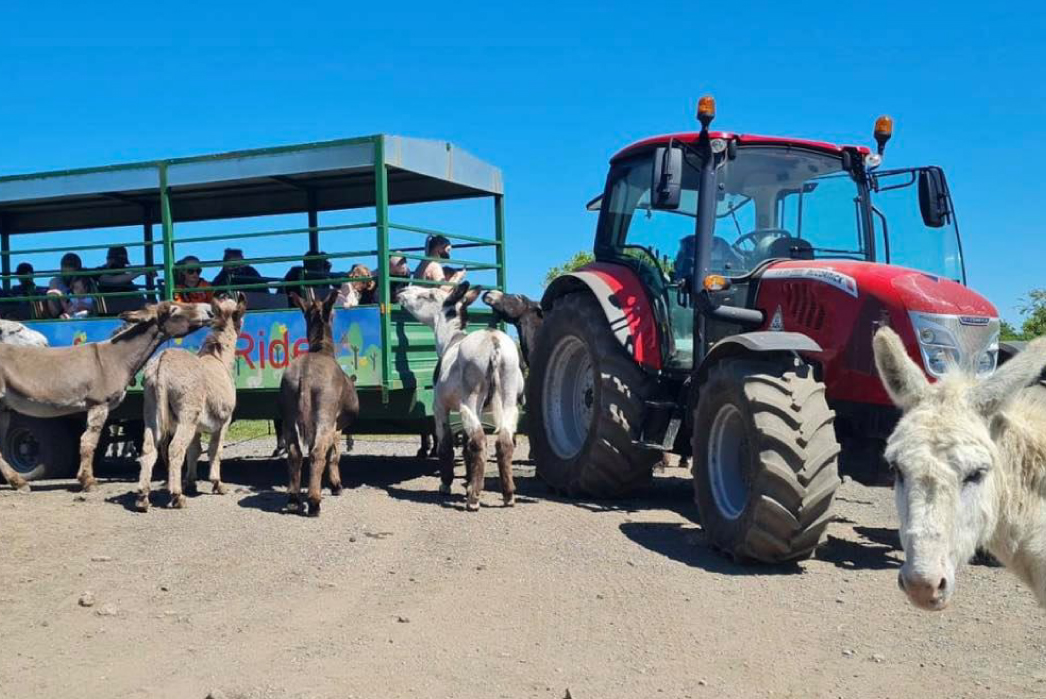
(317, 464)
(476, 456)
(146, 463)
(214, 455)
(10, 475)
(446, 447)
(294, 459)
(192, 459)
(504, 449)
(96, 418)
(183, 436)
(334, 465)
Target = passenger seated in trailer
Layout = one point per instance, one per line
(397, 268)
(236, 274)
(25, 286)
(431, 270)
(79, 306)
(309, 270)
(116, 259)
(71, 266)
(189, 277)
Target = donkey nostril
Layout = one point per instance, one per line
(943, 585)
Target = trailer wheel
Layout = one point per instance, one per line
(585, 404)
(40, 448)
(765, 459)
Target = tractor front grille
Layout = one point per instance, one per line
(802, 306)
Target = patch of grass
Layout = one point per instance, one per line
(242, 430)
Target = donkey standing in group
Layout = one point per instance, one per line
(92, 378)
(476, 370)
(520, 311)
(187, 394)
(969, 457)
(317, 402)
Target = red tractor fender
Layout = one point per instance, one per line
(626, 305)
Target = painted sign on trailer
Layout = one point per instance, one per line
(268, 341)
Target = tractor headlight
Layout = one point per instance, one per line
(947, 341)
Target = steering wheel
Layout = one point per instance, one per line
(760, 236)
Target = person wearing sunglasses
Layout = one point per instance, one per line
(189, 277)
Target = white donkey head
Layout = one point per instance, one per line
(946, 458)
(446, 312)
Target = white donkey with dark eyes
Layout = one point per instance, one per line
(970, 462)
(476, 370)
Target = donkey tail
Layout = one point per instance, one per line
(494, 388)
(156, 393)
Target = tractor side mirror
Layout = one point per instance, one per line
(933, 197)
(667, 186)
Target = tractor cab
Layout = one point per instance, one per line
(775, 199)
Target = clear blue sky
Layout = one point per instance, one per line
(548, 92)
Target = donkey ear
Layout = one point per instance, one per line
(328, 303)
(471, 296)
(143, 315)
(456, 295)
(296, 301)
(241, 304)
(902, 377)
(991, 395)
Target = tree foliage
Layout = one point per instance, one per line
(580, 259)
(1033, 322)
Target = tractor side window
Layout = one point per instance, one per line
(637, 230)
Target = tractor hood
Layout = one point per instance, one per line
(915, 290)
(839, 304)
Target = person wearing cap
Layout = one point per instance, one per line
(431, 270)
(116, 259)
(231, 274)
(188, 277)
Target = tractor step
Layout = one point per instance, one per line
(652, 446)
(660, 404)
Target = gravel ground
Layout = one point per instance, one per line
(396, 592)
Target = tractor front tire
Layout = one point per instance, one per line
(765, 459)
(585, 403)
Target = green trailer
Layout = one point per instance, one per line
(163, 210)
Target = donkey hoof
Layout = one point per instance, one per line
(472, 505)
(177, 501)
(87, 484)
(314, 509)
(423, 453)
(190, 488)
(510, 500)
(444, 488)
(21, 487)
(218, 488)
(142, 503)
(336, 489)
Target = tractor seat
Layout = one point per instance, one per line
(791, 248)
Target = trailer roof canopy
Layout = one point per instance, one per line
(337, 174)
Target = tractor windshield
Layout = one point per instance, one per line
(785, 203)
(773, 203)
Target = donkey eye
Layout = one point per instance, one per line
(898, 476)
(975, 477)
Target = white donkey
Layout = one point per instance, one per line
(476, 370)
(970, 463)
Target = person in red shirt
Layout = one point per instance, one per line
(190, 277)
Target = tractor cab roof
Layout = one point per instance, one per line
(743, 139)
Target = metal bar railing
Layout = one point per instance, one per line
(79, 248)
(269, 234)
(455, 236)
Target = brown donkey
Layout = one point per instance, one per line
(317, 401)
(187, 394)
(92, 378)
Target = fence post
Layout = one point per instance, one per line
(381, 209)
(499, 235)
(168, 236)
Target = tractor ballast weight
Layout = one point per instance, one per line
(754, 355)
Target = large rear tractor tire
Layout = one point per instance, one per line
(765, 459)
(585, 403)
(39, 448)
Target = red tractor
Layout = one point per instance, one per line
(729, 317)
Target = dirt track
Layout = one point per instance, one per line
(394, 592)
